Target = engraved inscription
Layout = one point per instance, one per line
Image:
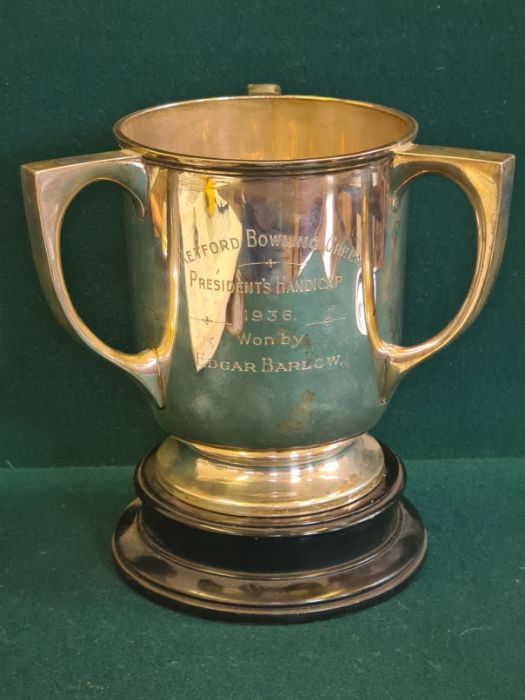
(339, 249)
(280, 286)
(202, 250)
(327, 321)
(281, 338)
(241, 253)
(270, 315)
(269, 364)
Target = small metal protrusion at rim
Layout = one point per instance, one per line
(264, 89)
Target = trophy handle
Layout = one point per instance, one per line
(486, 178)
(49, 187)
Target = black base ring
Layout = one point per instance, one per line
(272, 578)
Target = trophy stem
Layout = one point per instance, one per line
(196, 483)
(269, 568)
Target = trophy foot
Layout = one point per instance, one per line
(258, 568)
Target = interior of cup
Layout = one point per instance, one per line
(266, 128)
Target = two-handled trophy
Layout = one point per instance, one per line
(266, 242)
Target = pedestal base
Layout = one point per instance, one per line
(345, 557)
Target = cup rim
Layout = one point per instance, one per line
(188, 161)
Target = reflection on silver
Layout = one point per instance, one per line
(255, 491)
(259, 215)
(211, 240)
(256, 238)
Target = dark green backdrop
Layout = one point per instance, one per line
(69, 628)
(70, 69)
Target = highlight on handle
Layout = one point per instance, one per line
(49, 187)
(486, 178)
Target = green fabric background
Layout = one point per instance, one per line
(69, 628)
(70, 69)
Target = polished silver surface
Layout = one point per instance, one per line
(266, 245)
(256, 490)
(270, 347)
